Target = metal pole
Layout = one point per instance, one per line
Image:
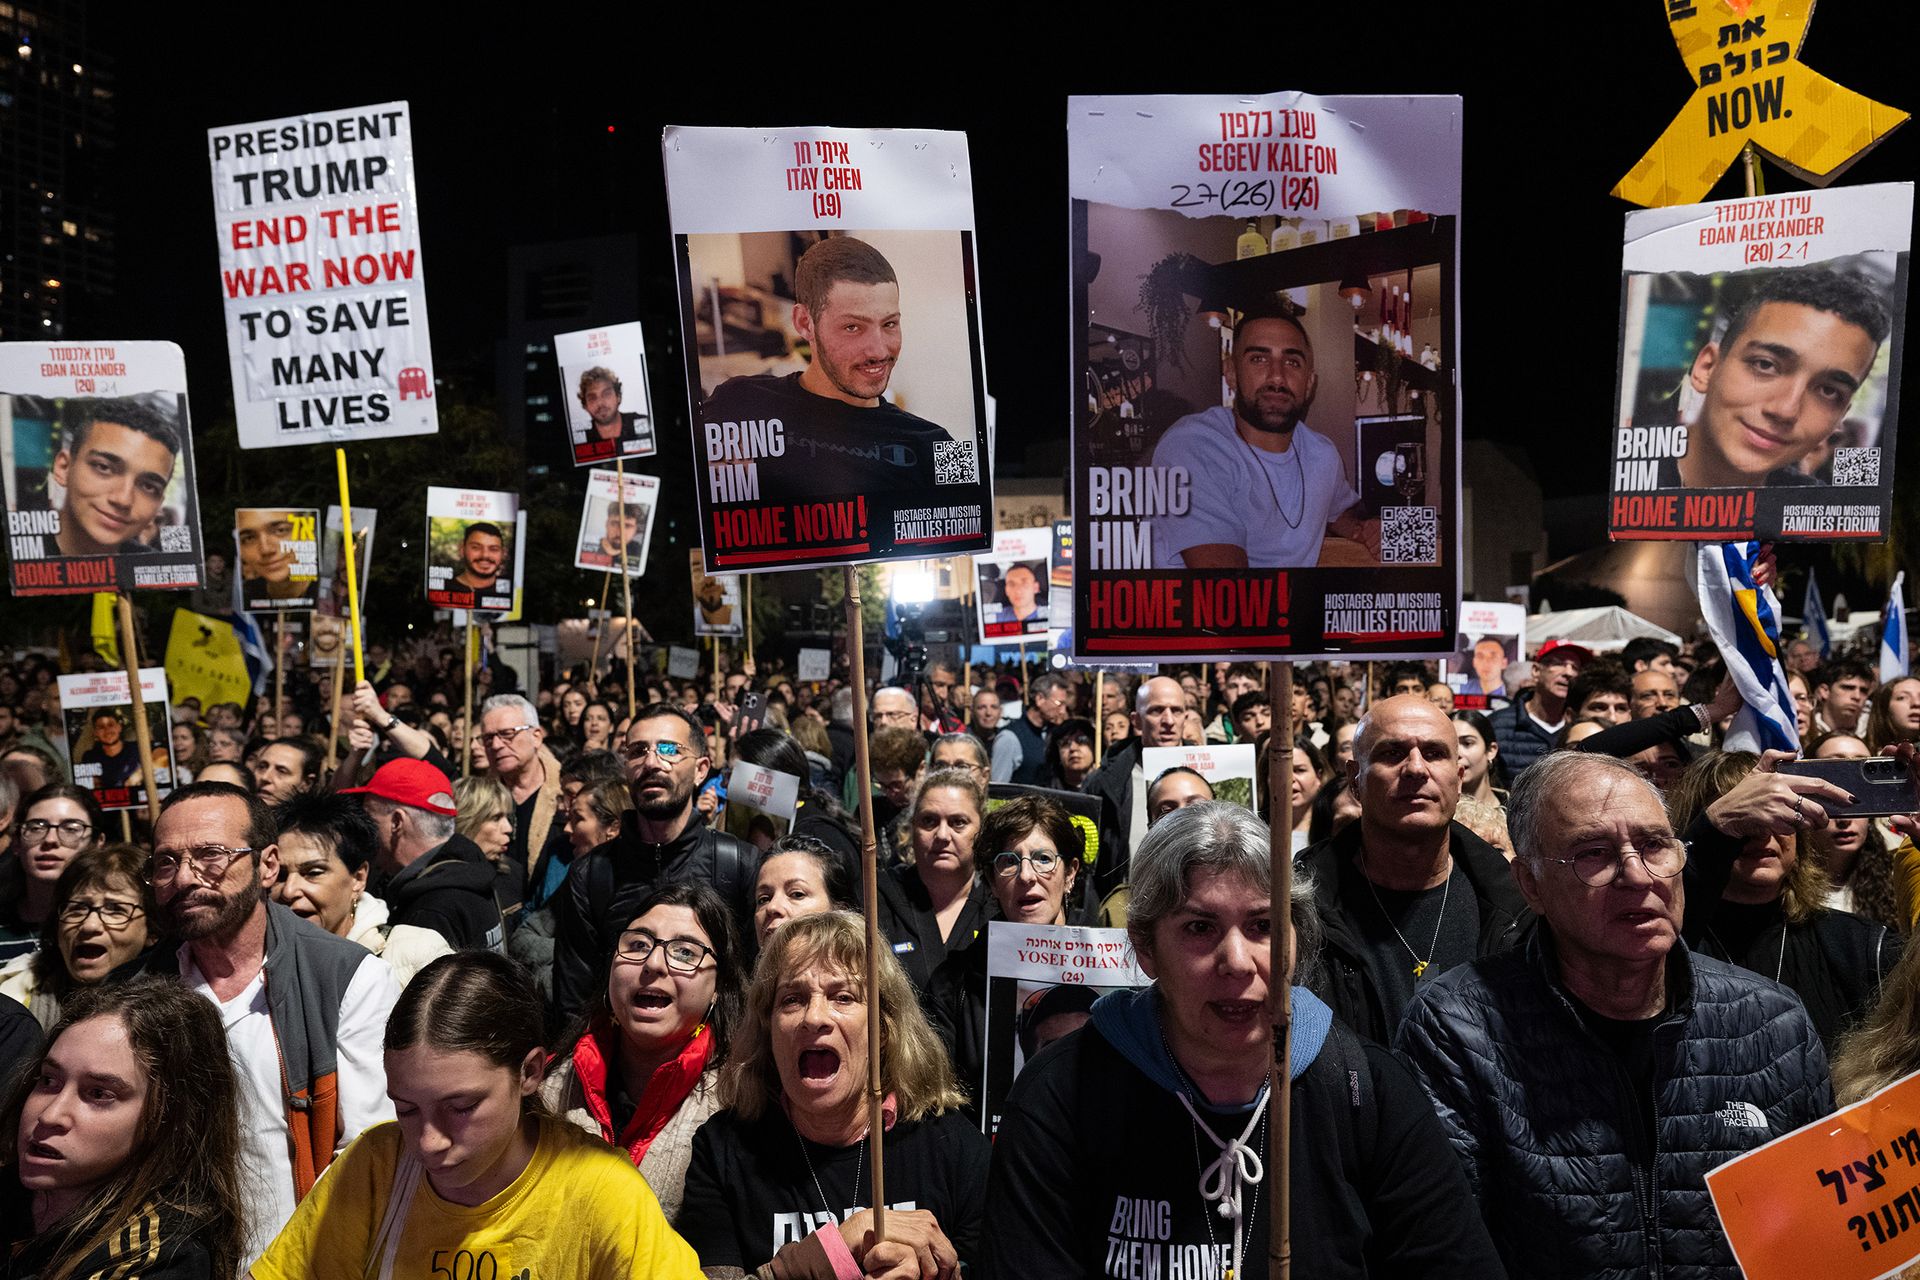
(626, 577)
(1280, 1103)
(870, 881)
(142, 736)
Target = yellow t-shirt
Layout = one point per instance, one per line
(579, 1209)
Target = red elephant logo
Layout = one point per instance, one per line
(413, 384)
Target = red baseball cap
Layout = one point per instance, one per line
(1561, 646)
(413, 783)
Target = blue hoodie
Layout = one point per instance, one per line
(1130, 1020)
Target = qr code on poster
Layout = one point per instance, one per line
(953, 463)
(1856, 467)
(176, 537)
(1409, 535)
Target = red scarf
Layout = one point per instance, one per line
(668, 1086)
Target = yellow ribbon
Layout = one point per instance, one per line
(1744, 56)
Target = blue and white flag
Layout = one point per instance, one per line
(1893, 632)
(1813, 619)
(253, 646)
(1744, 620)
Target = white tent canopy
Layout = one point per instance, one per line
(1603, 629)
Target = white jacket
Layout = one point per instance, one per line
(406, 948)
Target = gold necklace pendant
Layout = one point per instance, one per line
(1419, 967)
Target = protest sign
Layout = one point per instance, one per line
(279, 557)
(1042, 980)
(761, 803)
(716, 601)
(612, 515)
(682, 664)
(1753, 91)
(1759, 381)
(333, 567)
(96, 451)
(603, 384)
(96, 715)
(815, 664)
(1228, 768)
(1838, 1199)
(1266, 326)
(830, 317)
(1060, 590)
(1491, 636)
(1013, 585)
(320, 268)
(472, 539)
(205, 661)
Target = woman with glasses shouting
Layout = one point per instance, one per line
(1030, 852)
(55, 824)
(99, 929)
(644, 1067)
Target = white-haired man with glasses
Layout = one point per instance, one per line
(1590, 1078)
(304, 1009)
(662, 839)
(515, 744)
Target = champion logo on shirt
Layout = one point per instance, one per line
(1743, 1115)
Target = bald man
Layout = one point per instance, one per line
(1406, 893)
(1122, 786)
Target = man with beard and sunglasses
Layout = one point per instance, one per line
(1264, 488)
(662, 839)
(304, 1010)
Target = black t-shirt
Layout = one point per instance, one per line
(1631, 1041)
(832, 449)
(116, 771)
(1451, 911)
(523, 819)
(751, 1190)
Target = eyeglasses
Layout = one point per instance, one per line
(210, 862)
(684, 955)
(113, 915)
(667, 751)
(501, 737)
(1007, 865)
(1600, 865)
(71, 832)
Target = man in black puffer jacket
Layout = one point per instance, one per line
(1590, 1080)
(662, 839)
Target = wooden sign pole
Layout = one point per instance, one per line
(1279, 982)
(626, 577)
(279, 669)
(142, 736)
(466, 706)
(353, 567)
(870, 882)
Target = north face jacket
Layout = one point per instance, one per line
(1547, 1121)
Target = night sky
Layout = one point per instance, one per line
(551, 130)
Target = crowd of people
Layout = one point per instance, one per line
(405, 996)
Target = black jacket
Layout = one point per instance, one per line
(1547, 1119)
(157, 1243)
(1346, 982)
(1113, 783)
(908, 921)
(1033, 750)
(450, 890)
(597, 901)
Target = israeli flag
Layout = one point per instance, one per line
(1744, 621)
(253, 646)
(1893, 632)
(1813, 619)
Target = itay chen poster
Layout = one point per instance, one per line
(1265, 416)
(1760, 367)
(831, 323)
